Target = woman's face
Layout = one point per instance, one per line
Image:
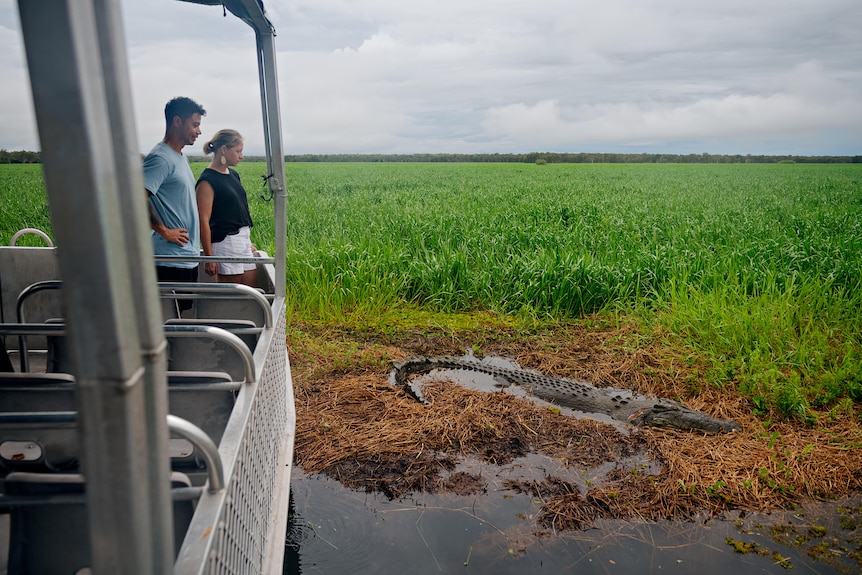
(233, 155)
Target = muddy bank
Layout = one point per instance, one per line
(355, 427)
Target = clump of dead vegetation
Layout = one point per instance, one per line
(354, 426)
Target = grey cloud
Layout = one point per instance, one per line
(394, 76)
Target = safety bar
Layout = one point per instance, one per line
(170, 331)
(191, 290)
(221, 335)
(40, 379)
(49, 382)
(190, 387)
(32, 328)
(9, 501)
(30, 290)
(19, 311)
(39, 420)
(25, 329)
(223, 259)
(190, 431)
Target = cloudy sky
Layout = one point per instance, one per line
(479, 76)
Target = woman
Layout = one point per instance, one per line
(223, 209)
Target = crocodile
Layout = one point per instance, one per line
(621, 405)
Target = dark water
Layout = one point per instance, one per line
(340, 531)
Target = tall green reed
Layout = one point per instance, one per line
(756, 266)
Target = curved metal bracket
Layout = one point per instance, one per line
(190, 431)
(14, 240)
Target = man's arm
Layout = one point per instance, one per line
(179, 236)
(155, 221)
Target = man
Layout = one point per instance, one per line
(170, 188)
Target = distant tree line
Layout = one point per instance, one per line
(20, 157)
(578, 158)
(27, 157)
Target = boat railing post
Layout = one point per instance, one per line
(77, 66)
(145, 302)
(275, 153)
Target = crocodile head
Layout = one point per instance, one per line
(667, 413)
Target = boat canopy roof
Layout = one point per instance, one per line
(250, 11)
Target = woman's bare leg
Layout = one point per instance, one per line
(248, 278)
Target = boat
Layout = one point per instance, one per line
(135, 438)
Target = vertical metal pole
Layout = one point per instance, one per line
(275, 153)
(82, 175)
(144, 301)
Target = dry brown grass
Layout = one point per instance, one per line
(354, 426)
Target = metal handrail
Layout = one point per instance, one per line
(30, 290)
(32, 329)
(39, 419)
(35, 231)
(9, 501)
(180, 291)
(192, 290)
(24, 329)
(216, 259)
(225, 290)
(190, 431)
(19, 313)
(221, 335)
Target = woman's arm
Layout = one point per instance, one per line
(204, 193)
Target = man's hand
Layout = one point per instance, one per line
(179, 236)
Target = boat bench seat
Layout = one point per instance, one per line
(229, 309)
(204, 347)
(39, 442)
(189, 348)
(184, 354)
(49, 531)
(220, 301)
(206, 399)
(238, 309)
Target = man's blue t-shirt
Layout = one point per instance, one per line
(168, 176)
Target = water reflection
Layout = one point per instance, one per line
(340, 531)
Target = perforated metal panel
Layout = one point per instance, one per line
(256, 451)
(245, 518)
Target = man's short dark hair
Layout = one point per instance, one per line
(183, 107)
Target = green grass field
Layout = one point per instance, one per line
(757, 269)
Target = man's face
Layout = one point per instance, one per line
(191, 129)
